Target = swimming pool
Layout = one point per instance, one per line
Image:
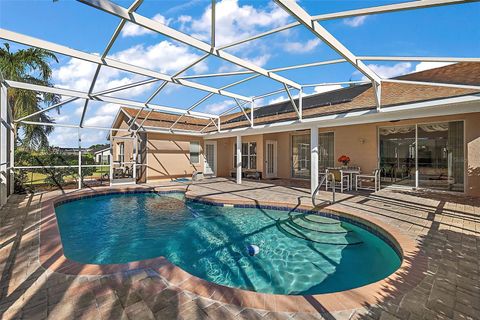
(300, 252)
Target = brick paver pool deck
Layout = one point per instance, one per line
(445, 228)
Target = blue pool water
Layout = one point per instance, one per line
(299, 253)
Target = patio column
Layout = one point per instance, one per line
(12, 159)
(239, 159)
(313, 159)
(3, 145)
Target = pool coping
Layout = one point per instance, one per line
(410, 272)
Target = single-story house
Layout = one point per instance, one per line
(425, 135)
(102, 156)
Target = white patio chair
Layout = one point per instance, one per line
(374, 177)
(340, 180)
(321, 173)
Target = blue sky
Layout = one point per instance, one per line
(452, 31)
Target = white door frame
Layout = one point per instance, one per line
(214, 143)
(275, 172)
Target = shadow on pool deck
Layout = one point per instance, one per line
(447, 288)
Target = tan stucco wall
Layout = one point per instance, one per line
(225, 156)
(168, 156)
(472, 140)
(226, 151)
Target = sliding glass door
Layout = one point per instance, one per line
(397, 155)
(424, 155)
(440, 156)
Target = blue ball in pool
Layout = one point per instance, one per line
(253, 250)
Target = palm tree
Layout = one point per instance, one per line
(31, 66)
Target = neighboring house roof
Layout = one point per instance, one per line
(102, 151)
(354, 98)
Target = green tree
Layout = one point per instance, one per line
(31, 66)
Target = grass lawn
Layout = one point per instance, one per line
(39, 178)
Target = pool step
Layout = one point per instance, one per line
(300, 223)
(314, 218)
(347, 239)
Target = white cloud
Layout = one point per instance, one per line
(326, 88)
(236, 21)
(422, 66)
(104, 121)
(219, 107)
(300, 47)
(355, 21)
(402, 68)
(134, 30)
(278, 100)
(164, 57)
(383, 71)
(101, 116)
(259, 61)
(184, 20)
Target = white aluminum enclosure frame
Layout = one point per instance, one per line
(253, 71)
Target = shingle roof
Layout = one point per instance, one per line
(360, 97)
(458, 73)
(165, 120)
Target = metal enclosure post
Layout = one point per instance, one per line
(79, 160)
(239, 159)
(252, 105)
(135, 156)
(300, 104)
(111, 158)
(416, 156)
(313, 159)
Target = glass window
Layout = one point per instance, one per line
(326, 158)
(195, 152)
(121, 152)
(301, 156)
(252, 152)
(249, 155)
